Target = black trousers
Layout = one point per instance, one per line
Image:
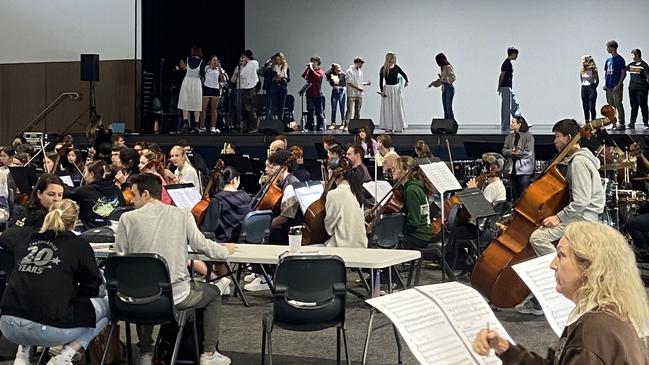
(519, 184)
(588, 100)
(638, 99)
(638, 228)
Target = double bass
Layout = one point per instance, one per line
(493, 275)
(199, 210)
(314, 229)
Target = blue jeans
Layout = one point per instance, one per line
(29, 333)
(314, 106)
(448, 92)
(278, 93)
(508, 107)
(337, 98)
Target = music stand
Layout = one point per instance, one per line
(320, 151)
(301, 93)
(475, 149)
(242, 163)
(24, 177)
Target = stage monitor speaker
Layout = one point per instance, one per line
(443, 126)
(271, 126)
(354, 124)
(89, 67)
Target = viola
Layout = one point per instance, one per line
(392, 202)
(314, 229)
(493, 275)
(199, 210)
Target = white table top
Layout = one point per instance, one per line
(367, 258)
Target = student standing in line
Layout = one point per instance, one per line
(508, 104)
(445, 79)
(638, 88)
(393, 116)
(589, 81)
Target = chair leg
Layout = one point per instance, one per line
(263, 341)
(129, 350)
(337, 345)
(179, 337)
(267, 278)
(411, 271)
(398, 275)
(237, 287)
(270, 346)
(44, 354)
(197, 352)
(418, 270)
(347, 356)
(110, 335)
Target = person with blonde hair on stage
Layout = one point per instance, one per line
(589, 81)
(594, 268)
(393, 115)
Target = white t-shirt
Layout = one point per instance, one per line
(212, 78)
(354, 76)
(495, 192)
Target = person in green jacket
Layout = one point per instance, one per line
(415, 191)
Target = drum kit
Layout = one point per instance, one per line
(622, 200)
(464, 170)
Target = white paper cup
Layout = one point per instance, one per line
(295, 239)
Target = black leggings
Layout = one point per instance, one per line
(588, 100)
(638, 98)
(519, 184)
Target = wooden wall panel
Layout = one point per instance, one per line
(25, 89)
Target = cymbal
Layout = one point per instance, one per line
(618, 166)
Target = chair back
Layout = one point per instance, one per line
(452, 222)
(262, 104)
(309, 292)
(501, 207)
(388, 230)
(256, 227)
(139, 288)
(117, 213)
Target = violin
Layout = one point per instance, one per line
(199, 210)
(392, 202)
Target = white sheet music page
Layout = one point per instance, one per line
(467, 311)
(306, 195)
(185, 197)
(425, 328)
(539, 277)
(379, 189)
(440, 176)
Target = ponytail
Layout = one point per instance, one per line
(62, 215)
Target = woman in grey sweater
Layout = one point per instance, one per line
(519, 151)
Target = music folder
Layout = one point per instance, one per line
(303, 89)
(475, 203)
(184, 195)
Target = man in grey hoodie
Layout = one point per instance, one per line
(587, 197)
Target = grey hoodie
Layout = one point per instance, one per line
(587, 197)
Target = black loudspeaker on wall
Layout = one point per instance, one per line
(354, 124)
(271, 126)
(89, 67)
(443, 126)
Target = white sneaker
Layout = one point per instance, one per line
(59, 360)
(224, 285)
(259, 284)
(215, 359)
(250, 277)
(22, 356)
(145, 358)
(56, 350)
(214, 130)
(528, 307)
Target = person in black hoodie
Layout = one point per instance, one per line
(47, 191)
(98, 197)
(227, 208)
(52, 296)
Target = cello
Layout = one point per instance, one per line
(270, 195)
(493, 275)
(392, 202)
(314, 229)
(199, 210)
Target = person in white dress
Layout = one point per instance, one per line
(393, 116)
(191, 92)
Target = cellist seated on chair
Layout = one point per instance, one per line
(587, 198)
(227, 208)
(290, 214)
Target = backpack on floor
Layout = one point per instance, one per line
(164, 344)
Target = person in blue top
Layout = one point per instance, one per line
(615, 69)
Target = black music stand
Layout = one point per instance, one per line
(242, 163)
(477, 206)
(320, 151)
(544, 152)
(475, 149)
(24, 177)
(301, 93)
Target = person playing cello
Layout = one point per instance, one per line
(587, 198)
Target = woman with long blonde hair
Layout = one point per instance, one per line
(280, 76)
(393, 115)
(54, 295)
(595, 268)
(589, 81)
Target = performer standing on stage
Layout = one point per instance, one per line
(313, 74)
(214, 76)
(508, 104)
(191, 93)
(519, 151)
(280, 75)
(245, 80)
(589, 81)
(638, 88)
(355, 84)
(445, 79)
(336, 78)
(393, 116)
(615, 69)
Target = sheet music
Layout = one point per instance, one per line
(467, 310)
(440, 176)
(185, 197)
(539, 277)
(425, 329)
(67, 180)
(306, 195)
(380, 187)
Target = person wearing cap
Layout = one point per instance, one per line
(313, 74)
(495, 190)
(355, 84)
(519, 150)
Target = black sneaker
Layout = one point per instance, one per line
(632, 126)
(620, 127)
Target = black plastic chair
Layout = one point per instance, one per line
(388, 231)
(143, 299)
(117, 213)
(458, 243)
(309, 296)
(289, 106)
(262, 106)
(256, 227)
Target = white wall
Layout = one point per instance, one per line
(60, 30)
(551, 35)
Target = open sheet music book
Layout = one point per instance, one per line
(307, 194)
(441, 177)
(378, 189)
(184, 195)
(539, 277)
(439, 322)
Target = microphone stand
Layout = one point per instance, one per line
(162, 109)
